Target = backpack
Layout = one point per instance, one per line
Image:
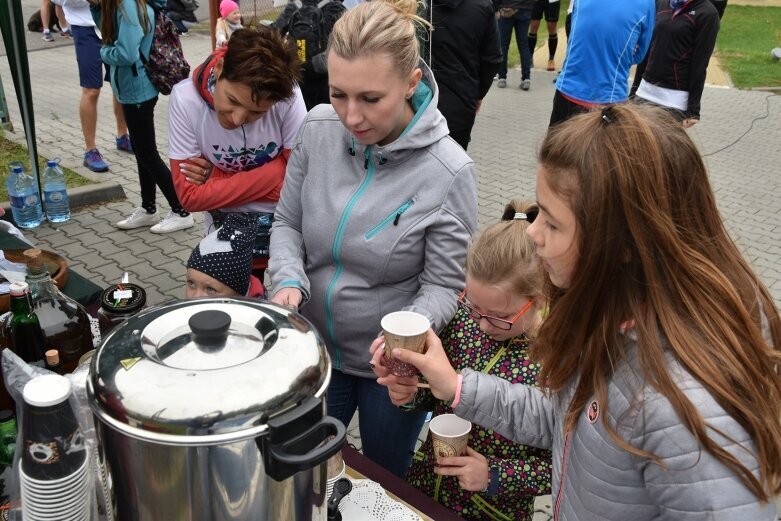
(165, 65)
(310, 26)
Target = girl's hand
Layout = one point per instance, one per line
(434, 365)
(472, 470)
(400, 389)
(288, 297)
(196, 170)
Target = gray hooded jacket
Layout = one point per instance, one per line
(594, 479)
(366, 230)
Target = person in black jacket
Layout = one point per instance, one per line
(673, 73)
(182, 14)
(465, 56)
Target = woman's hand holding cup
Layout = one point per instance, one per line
(433, 365)
(401, 389)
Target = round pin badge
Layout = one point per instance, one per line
(592, 413)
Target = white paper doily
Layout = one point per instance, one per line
(368, 502)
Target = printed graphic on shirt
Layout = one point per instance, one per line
(242, 159)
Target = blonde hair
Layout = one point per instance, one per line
(505, 255)
(380, 27)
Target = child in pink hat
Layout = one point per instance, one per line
(229, 21)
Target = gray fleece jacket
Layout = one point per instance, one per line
(596, 480)
(366, 230)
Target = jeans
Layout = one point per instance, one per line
(520, 22)
(152, 170)
(388, 434)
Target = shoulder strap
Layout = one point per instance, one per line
(298, 4)
(322, 3)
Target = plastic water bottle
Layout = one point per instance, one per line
(25, 197)
(55, 196)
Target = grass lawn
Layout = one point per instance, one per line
(513, 58)
(10, 151)
(746, 37)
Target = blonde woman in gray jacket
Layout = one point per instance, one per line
(375, 214)
(661, 346)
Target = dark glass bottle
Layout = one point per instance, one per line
(27, 338)
(65, 323)
(118, 303)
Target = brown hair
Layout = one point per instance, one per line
(108, 21)
(654, 249)
(263, 61)
(504, 255)
(380, 27)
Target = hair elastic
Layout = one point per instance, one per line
(520, 216)
(607, 114)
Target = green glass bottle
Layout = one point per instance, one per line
(26, 335)
(7, 437)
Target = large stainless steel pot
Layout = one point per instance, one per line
(214, 409)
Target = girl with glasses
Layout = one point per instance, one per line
(498, 310)
(660, 352)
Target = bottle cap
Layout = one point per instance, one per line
(34, 259)
(52, 357)
(123, 298)
(17, 169)
(18, 289)
(47, 390)
(51, 164)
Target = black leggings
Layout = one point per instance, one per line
(152, 170)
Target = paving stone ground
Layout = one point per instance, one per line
(739, 135)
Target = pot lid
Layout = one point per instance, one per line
(206, 367)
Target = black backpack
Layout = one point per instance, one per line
(165, 65)
(309, 26)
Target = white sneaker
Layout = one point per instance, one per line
(137, 219)
(173, 222)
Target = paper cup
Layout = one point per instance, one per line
(404, 330)
(53, 446)
(449, 435)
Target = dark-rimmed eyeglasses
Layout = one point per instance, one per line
(497, 322)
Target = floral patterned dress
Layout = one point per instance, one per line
(524, 472)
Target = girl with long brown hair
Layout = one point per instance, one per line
(661, 346)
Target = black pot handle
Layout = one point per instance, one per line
(305, 451)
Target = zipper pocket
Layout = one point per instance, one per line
(393, 217)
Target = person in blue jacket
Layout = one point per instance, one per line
(127, 28)
(607, 38)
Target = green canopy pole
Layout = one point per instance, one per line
(12, 26)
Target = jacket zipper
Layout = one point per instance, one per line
(335, 249)
(563, 478)
(394, 216)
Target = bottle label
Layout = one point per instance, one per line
(31, 200)
(16, 201)
(56, 196)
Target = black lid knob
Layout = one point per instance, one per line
(210, 326)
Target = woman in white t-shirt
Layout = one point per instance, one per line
(231, 127)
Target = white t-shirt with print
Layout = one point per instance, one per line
(194, 130)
